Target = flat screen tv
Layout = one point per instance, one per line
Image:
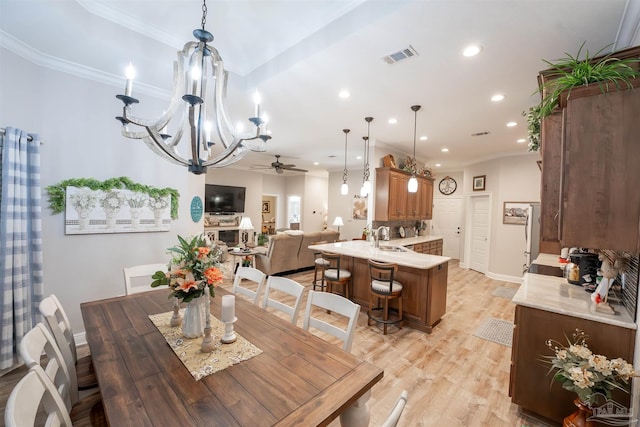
(223, 199)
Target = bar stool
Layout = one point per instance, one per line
(334, 275)
(383, 286)
(320, 264)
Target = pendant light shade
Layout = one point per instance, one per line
(344, 189)
(412, 187)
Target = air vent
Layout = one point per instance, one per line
(400, 55)
(486, 132)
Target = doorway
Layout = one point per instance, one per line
(447, 216)
(478, 224)
(269, 214)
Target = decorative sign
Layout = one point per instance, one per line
(196, 209)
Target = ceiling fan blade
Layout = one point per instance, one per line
(296, 169)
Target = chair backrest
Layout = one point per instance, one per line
(333, 262)
(138, 278)
(288, 286)
(252, 274)
(394, 415)
(59, 326)
(32, 392)
(334, 303)
(382, 272)
(37, 341)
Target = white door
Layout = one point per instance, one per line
(479, 237)
(447, 217)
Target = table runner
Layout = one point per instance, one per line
(188, 350)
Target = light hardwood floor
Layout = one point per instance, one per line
(453, 378)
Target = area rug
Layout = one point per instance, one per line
(496, 330)
(504, 292)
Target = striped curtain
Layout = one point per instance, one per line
(21, 287)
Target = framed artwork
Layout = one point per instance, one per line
(479, 182)
(515, 213)
(359, 207)
(266, 207)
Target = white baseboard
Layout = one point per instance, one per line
(496, 276)
(81, 338)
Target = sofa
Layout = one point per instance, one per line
(289, 251)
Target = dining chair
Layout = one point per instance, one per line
(396, 411)
(334, 274)
(383, 286)
(253, 275)
(138, 278)
(319, 264)
(288, 286)
(38, 341)
(59, 326)
(334, 303)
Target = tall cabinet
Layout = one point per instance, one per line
(393, 200)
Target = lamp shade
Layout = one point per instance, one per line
(344, 189)
(338, 221)
(245, 223)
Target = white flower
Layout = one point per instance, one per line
(600, 364)
(113, 200)
(83, 199)
(581, 377)
(562, 354)
(580, 351)
(159, 202)
(137, 200)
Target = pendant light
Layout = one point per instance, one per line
(366, 184)
(413, 181)
(344, 189)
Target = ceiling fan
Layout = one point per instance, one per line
(279, 167)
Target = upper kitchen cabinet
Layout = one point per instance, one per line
(550, 148)
(393, 200)
(600, 170)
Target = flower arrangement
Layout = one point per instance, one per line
(158, 202)
(137, 200)
(192, 269)
(84, 199)
(585, 373)
(113, 200)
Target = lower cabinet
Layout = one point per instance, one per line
(431, 248)
(531, 385)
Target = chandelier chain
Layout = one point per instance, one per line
(344, 173)
(204, 13)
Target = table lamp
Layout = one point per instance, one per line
(245, 226)
(338, 222)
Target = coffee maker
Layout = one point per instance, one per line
(587, 265)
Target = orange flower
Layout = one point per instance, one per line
(203, 252)
(188, 283)
(213, 275)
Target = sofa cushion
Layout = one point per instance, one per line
(306, 257)
(282, 254)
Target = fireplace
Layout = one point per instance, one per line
(230, 237)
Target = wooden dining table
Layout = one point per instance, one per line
(299, 379)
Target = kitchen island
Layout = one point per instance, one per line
(424, 277)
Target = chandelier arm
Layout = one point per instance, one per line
(156, 143)
(195, 159)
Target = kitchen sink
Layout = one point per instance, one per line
(392, 249)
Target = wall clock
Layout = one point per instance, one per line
(196, 209)
(447, 185)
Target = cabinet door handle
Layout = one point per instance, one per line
(555, 217)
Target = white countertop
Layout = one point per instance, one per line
(548, 259)
(554, 294)
(367, 250)
(407, 241)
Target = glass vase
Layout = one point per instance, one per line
(194, 317)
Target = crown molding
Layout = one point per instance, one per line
(38, 58)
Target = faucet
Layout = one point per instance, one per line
(377, 235)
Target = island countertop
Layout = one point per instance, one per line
(367, 250)
(408, 241)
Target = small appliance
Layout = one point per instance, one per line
(587, 265)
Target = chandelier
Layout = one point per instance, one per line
(196, 108)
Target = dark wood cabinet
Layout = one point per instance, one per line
(550, 147)
(393, 200)
(530, 385)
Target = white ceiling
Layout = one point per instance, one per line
(300, 53)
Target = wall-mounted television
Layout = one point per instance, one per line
(223, 199)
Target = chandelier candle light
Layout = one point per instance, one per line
(366, 184)
(344, 189)
(413, 181)
(228, 317)
(196, 107)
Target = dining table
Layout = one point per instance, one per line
(298, 379)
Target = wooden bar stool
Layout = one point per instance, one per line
(383, 286)
(334, 275)
(319, 264)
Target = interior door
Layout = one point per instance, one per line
(447, 217)
(479, 234)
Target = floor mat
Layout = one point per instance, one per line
(504, 292)
(496, 330)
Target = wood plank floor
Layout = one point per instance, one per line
(453, 378)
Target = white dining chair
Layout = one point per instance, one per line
(396, 411)
(287, 286)
(31, 394)
(138, 277)
(59, 326)
(252, 275)
(337, 304)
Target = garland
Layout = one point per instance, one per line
(57, 192)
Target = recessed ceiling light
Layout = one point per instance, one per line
(472, 50)
(497, 97)
(438, 165)
(316, 163)
(393, 121)
(445, 150)
(521, 140)
(344, 94)
(423, 138)
(511, 124)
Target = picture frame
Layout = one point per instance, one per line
(266, 207)
(479, 182)
(515, 213)
(359, 207)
